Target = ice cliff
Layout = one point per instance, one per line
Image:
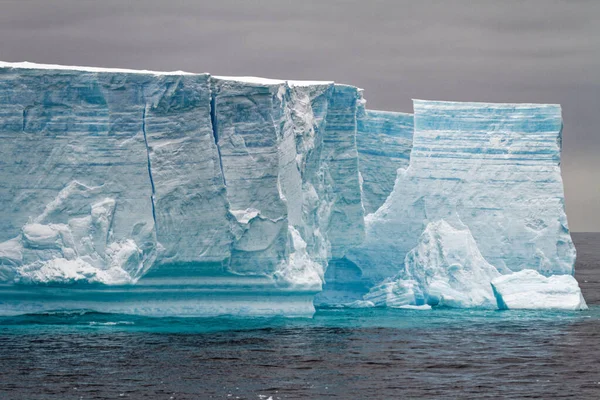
(191, 194)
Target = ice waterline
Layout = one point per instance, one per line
(189, 194)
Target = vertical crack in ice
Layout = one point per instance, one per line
(149, 164)
(213, 123)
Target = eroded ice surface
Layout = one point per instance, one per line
(445, 269)
(528, 289)
(345, 226)
(74, 161)
(494, 168)
(384, 141)
(178, 193)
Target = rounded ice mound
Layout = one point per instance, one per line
(528, 289)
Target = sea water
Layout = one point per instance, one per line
(340, 353)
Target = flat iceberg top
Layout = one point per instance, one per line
(269, 81)
(30, 65)
(251, 79)
(397, 114)
(462, 105)
(309, 83)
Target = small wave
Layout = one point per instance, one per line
(64, 313)
(111, 323)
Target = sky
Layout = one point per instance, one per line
(539, 51)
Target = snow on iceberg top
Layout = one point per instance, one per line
(244, 79)
(30, 65)
(390, 113)
(268, 81)
(309, 83)
(251, 79)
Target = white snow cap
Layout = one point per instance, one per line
(30, 65)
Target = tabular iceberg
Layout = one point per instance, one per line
(191, 194)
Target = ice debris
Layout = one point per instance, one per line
(528, 289)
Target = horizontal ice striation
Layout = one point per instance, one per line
(248, 127)
(190, 204)
(340, 158)
(177, 193)
(217, 187)
(384, 142)
(342, 215)
(75, 182)
(494, 168)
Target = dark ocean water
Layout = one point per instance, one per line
(344, 354)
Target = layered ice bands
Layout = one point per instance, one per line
(188, 194)
(384, 141)
(190, 203)
(340, 164)
(492, 168)
(75, 174)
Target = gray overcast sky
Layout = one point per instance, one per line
(506, 51)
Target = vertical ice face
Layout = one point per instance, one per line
(270, 138)
(191, 208)
(248, 121)
(308, 104)
(339, 155)
(75, 179)
(243, 190)
(384, 141)
(342, 211)
(494, 168)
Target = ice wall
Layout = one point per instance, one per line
(190, 204)
(248, 122)
(191, 194)
(227, 188)
(494, 168)
(340, 158)
(75, 173)
(384, 142)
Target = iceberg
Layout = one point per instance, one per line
(494, 168)
(528, 289)
(176, 193)
(384, 141)
(444, 269)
